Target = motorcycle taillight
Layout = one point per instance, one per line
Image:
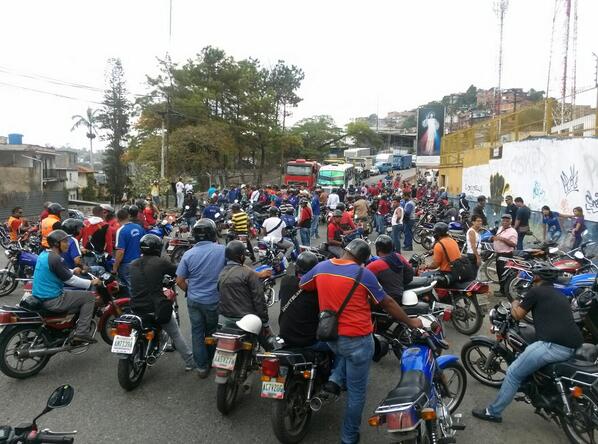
(228, 344)
(124, 329)
(270, 367)
(401, 420)
(7, 318)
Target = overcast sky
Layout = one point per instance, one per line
(358, 56)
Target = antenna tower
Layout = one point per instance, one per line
(500, 9)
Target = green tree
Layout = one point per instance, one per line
(363, 135)
(318, 134)
(535, 96)
(409, 122)
(114, 120)
(90, 123)
(89, 193)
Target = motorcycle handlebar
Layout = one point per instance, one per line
(46, 438)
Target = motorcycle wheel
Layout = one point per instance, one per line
(270, 296)
(417, 236)
(427, 243)
(226, 395)
(107, 322)
(8, 282)
(131, 370)
(291, 415)
(456, 381)
(467, 315)
(19, 337)
(474, 357)
(488, 270)
(580, 426)
(4, 239)
(177, 254)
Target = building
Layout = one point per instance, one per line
(582, 127)
(67, 167)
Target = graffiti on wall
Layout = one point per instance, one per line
(473, 190)
(569, 181)
(536, 171)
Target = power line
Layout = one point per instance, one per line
(62, 96)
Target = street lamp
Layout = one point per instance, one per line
(41, 171)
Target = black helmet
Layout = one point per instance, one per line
(360, 250)
(341, 206)
(55, 208)
(546, 272)
(384, 244)
(72, 226)
(151, 245)
(289, 210)
(273, 211)
(55, 237)
(133, 210)
(235, 207)
(204, 230)
(141, 203)
(235, 251)
(440, 229)
(305, 262)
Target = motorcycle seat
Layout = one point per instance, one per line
(409, 389)
(565, 280)
(418, 309)
(459, 285)
(528, 332)
(586, 352)
(419, 281)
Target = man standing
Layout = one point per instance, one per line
(304, 222)
(521, 221)
(478, 210)
(14, 223)
(155, 192)
(315, 210)
(511, 208)
(334, 281)
(504, 243)
(408, 222)
(127, 247)
(197, 274)
(180, 193)
(397, 223)
(190, 208)
(333, 200)
(383, 210)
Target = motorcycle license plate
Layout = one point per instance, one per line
(274, 390)
(170, 248)
(123, 344)
(224, 360)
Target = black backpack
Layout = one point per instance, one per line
(461, 269)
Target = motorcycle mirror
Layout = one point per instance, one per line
(217, 215)
(186, 207)
(553, 250)
(578, 255)
(61, 397)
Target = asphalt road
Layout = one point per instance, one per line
(177, 407)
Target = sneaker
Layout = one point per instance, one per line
(190, 367)
(485, 415)
(203, 372)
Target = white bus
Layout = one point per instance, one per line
(335, 176)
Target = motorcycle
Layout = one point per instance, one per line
(177, 247)
(4, 236)
(421, 408)
(30, 334)
(29, 432)
(162, 230)
(20, 267)
(565, 392)
(235, 360)
(139, 342)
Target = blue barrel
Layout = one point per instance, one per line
(15, 139)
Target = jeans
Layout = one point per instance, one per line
(314, 226)
(304, 233)
(500, 269)
(156, 201)
(353, 359)
(533, 358)
(396, 236)
(75, 301)
(204, 322)
(123, 274)
(190, 222)
(408, 227)
(576, 242)
(554, 235)
(173, 330)
(379, 223)
(520, 237)
(357, 234)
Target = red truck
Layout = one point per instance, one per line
(301, 172)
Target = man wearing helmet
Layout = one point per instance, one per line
(51, 222)
(240, 288)
(240, 221)
(392, 270)
(190, 209)
(211, 210)
(463, 203)
(197, 274)
(556, 338)
(272, 229)
(147, 296)
(354, 348)
(445, 252)
(49, 278)
(72, 256)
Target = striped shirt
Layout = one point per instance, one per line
(240, 222)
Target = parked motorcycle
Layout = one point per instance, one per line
(30, 335)
(235, 361)
(29, 432)
(564, 392)
(421, 407)
(20, 267)
(139, 342)
(177, 247)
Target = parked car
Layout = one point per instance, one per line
(374, 171)
(384, 167)
(75, 214)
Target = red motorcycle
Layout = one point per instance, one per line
(30, 335)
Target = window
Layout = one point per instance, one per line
(298, 170)
(331, 178)
(578, 130)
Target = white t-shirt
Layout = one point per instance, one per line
(180, 187)
(333, 201)
(397, 216)
(470, 247)
(275, 235)
(188, 187)
(254, 196)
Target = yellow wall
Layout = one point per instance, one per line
(453, 176)
(477, 156)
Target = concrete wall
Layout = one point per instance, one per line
(31, 202)
(559, 173)
(19, 180)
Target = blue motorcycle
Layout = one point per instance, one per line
(20, 267)
(162, 230)
(420, 409)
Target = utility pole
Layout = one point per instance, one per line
(500, 9)
(565, 59)
(163, 148)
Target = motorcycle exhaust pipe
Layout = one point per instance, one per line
(315, 404)
(24, 354)
(151, 360)
(248, 383)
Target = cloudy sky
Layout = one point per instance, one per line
(358, 56)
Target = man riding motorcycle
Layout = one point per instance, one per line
(51, 222)
(49, 278)
(391, 269)
(147, 296)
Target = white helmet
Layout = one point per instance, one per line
(409, 298)
(252, 324)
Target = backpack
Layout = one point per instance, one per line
(461, 269)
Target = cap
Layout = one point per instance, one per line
(506, 216)
(337, 213)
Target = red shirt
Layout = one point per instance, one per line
(43, 214)
(347, 221)
(149, 216)
(111, 240)
(333, 280)
(383, 207)
(334, 231)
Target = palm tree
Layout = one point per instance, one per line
(90, 122)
